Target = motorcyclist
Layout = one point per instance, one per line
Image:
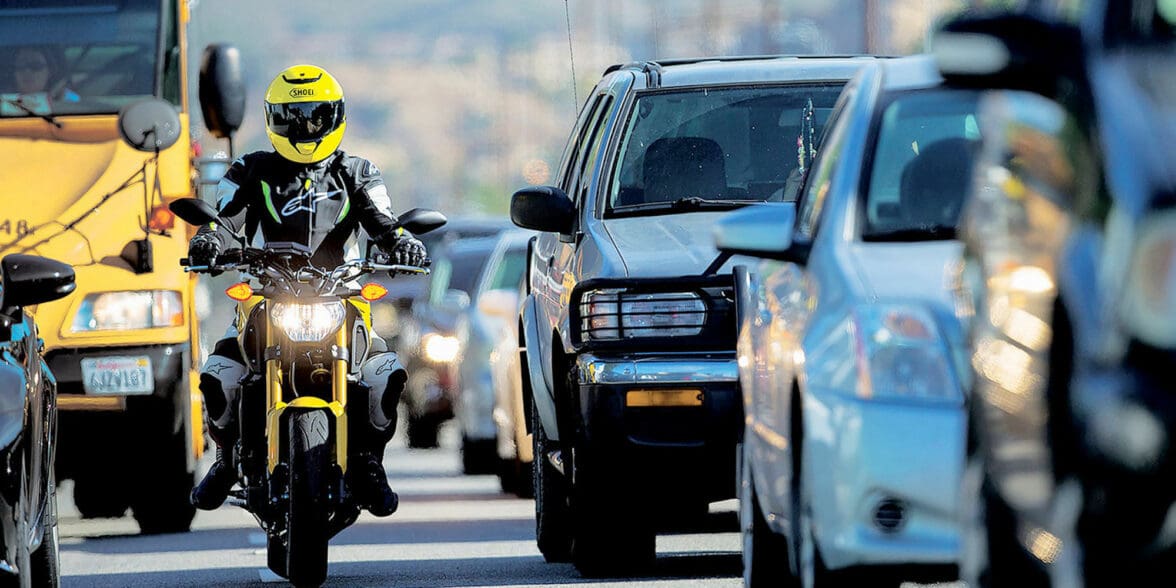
(305, 191)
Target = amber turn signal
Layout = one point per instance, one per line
(373, 292)
(239, 292)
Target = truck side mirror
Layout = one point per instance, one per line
(222, 90)
(29, 279)
(543, 208)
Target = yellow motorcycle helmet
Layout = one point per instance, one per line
(304, 114)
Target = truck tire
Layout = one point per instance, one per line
(610, 535)
(45, 561)
(552, 514)
(101, 497)
(162, 502)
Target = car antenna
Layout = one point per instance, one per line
(572, 56)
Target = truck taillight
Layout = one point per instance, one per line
(161, 219)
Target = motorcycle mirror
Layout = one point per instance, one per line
(419, 221)
(194, 211)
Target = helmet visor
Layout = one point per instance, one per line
(303, 122)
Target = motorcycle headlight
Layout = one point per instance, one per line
(901, 354)
(440, 348)
(304, 323)
(1148, 308)
(617, 314)
(124, 311)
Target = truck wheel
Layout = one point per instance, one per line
(552, 514)
(162, 503)
(46, 569)
(610, 536)
(98, 497)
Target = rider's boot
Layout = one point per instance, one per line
(369, 482)
(212, 491)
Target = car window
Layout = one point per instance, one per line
(457, 271)
(574, 150)
(510, 270)
(821, 175)
(920, 165)
(588, 165)
(717, 143)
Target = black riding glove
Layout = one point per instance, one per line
(408, 251)
(203, 249)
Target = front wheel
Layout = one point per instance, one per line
(310, 455)
(552, 515)
(46, 570)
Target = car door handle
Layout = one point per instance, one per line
(551, 261)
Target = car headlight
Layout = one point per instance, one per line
(440, 348)
(901, 354)
(123, 311)
(308, 322)
(1148, 308)
(618, 314)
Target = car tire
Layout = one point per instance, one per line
(514, 477)
(611, 537)
(45, 560)
(479, 457)
(552, 512)
(162, 502)
(422, 431)
(765, 553)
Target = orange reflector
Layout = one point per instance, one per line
(373, 292)
(668, 397)
(162, 219)
(240, 292)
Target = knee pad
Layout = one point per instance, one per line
(385, 377)
(220, 384)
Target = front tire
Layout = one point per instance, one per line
(765, 554)
(552, 515)
(310, 455)
(45, 561)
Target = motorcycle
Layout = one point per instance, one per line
(304, 336)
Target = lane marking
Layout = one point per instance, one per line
(269, 577)
(256, 539)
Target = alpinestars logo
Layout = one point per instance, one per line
(307, 201)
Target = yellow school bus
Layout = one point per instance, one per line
(82, 184)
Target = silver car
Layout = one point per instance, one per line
(848, 350)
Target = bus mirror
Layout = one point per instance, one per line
(149, 125)
(222, 90)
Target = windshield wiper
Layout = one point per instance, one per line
(689, 204)
(21, 105)
(927, 233)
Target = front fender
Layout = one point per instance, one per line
(538, 369)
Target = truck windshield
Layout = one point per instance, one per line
(716, 147)
(79, 56)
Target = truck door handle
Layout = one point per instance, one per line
(551, 261)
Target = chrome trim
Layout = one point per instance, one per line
(556, 459)
(594, 370)
(7, 568)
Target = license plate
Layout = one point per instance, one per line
(118, 375)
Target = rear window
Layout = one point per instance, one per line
(920, 169)
(509, 273)
(719, 144)
(457, 271)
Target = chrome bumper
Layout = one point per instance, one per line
(655, 370)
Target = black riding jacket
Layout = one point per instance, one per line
(320, 205)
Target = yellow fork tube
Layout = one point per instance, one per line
(339, 395)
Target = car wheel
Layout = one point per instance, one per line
(552, 512)
(514, 477)
(610, 535)
(478, 456)
(45, 561)
(765, 554)
(162, 502)
(422, 431)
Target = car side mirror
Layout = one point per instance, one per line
(1009, 51)
(29, 279)
(222, 90)
(543, 208)
(419, 221)
(760, 230)
(194, 211)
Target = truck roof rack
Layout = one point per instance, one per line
(653, 69)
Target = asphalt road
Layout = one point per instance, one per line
(451, 531)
